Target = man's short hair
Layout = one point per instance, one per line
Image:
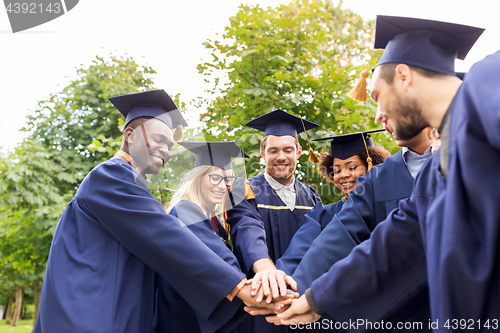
(134, 123)
(264, 140)
(388, 71)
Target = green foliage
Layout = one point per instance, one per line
(302, 58)
(30, 205)
(81, 115)
(70, 133)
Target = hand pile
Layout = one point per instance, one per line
(270, 296)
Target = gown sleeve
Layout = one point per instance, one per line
(315, 221)
(346, 229)
(247, 229)
(140, 223)
(377, 277)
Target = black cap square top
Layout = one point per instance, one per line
(348, 145)
(153, 103)
(428, 44)
(280, 123)
(219, 154)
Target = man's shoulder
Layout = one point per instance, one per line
(115, 169)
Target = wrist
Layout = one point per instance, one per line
(312, 302)
(263, 264)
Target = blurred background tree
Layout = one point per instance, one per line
(301, 58)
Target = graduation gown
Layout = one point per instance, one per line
(263, 228)
(376, 195)
(173, 313)
(109, 241)
(315, 221)
(448, 228)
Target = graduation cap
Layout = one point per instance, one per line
(280, 123)
(218, 154)
(431, 45)
(153, 103)
(348, 145)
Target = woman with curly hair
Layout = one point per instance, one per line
(351, 155)
(342, 169)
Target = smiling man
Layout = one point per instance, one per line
(261, 228)
(114, 235)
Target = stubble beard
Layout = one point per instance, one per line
(412, 122)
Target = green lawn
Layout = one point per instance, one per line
(23, 326)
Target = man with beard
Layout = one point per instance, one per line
(448, 232)
(261, 228)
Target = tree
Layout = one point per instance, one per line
(29, 210)
(302, 58)
(69, 121)
(42, 175)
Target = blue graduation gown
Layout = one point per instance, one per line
(173, 313)
(448, 228)
(315, 221)
(263, 228)
(109, 241)
(376, 195)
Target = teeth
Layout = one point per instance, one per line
(158, 159)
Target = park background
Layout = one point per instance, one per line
(224, 63)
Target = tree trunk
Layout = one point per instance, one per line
(38, 292)
(17, 306)
(8, 311)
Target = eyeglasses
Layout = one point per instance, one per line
(215, 179)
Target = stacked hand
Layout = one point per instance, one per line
(298, 313)
(252, 301)
(269, 289)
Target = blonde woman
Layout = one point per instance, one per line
(195, 204)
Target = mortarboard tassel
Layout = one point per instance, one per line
(359, 93)
(178, 134)
(368, 159)
(313, 158)
(248, 190)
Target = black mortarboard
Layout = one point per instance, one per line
(279, 123)
(153, 103)
(218, 154)
(431, 45)
(347, 145)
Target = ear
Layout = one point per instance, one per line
(129, 135)
(299, 152)
(262, 154)
(403, 76)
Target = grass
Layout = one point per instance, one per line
(23, 326)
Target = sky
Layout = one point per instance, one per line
(168, 35)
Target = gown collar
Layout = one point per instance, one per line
(128, 159)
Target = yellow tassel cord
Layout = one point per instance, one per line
(313, 158)
(178, 134)
(359, 93)
(248, 190)
(368, 159)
